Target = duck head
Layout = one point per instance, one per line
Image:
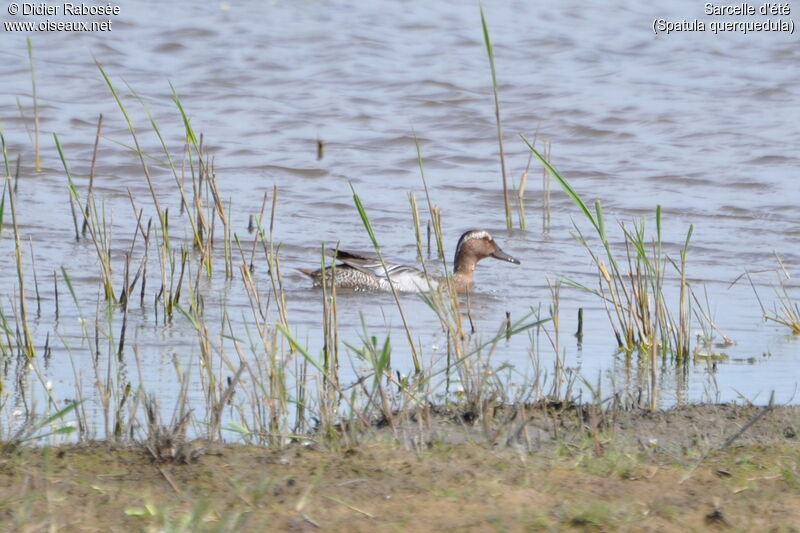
(473, 246)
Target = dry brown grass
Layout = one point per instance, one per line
(443, 485)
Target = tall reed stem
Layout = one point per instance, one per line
(490, 52)
(35, 108)
(28, 338)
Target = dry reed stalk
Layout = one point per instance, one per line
(35, 280)
(546, 190)
(36, 149)
(330, 328)
(523, 181)
(28, 345)
(55, 293)
(89, 192)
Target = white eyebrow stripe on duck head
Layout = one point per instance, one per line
(470, 235)
(477, 234)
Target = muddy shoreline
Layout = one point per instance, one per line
(689, 468)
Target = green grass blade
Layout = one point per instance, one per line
(5, 153)
(566, 186)
(59, 414)
(489, 49)
(385, 357)
(686, 243)
(71, 186)
(364, 218)
(658, 223)
(300, 348)
(3, 205)
(601, 224)
(68, 281)
(191, 138)
(116, 96)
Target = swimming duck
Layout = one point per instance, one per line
(360, 272)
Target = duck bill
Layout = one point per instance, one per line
(500, 254)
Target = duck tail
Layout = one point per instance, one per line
(310, 272)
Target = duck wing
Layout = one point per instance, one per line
(371, 265)
(405, 278)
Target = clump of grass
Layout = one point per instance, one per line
(256, 379)
(633, 287)
(785, 310)
(200, 518)
(379, 358)
(31, 430)
(168, 443)
(368, 226)
(591, 516)
(470, 373)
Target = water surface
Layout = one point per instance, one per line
(704, 125)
